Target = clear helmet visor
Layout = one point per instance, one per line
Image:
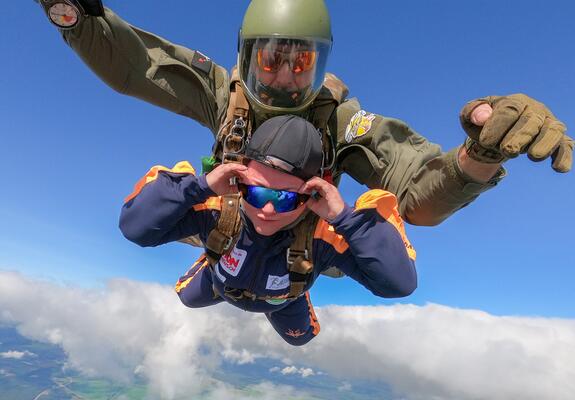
(282, 74)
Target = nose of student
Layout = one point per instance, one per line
(268, 209)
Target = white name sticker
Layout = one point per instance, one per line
(277, 282)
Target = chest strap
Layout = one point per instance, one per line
(224, 236)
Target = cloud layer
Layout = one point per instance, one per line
(432, 352)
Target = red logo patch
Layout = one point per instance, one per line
(232, 263)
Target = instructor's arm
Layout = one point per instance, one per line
(146, 66)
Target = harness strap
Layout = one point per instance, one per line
(236, 128)
(299, 257)
(222, 238)
(240, 294)
(332, 94)
(228, 147)
(319, 117)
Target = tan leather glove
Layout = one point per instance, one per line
(518, 124)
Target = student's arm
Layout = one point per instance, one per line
(368, 243)
(167, 205)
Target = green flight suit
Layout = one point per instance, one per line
(429, 184)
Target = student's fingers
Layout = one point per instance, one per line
(219, 180)
(316, 184)
(232, 169)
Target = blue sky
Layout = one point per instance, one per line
(71, 148)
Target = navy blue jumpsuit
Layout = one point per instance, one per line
(367, 243)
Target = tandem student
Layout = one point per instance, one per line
(277, 186)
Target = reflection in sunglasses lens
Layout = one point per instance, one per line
(299, 61)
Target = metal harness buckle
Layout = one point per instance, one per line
(291, 255)
(233, 293)
(230, 149)
(228, 243)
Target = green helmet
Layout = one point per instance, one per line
(283, 50)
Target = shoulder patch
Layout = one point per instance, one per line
(202, 62)
(359, 125)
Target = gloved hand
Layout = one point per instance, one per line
(502, 127)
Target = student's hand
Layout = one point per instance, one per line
(327, 203)
(220, 178)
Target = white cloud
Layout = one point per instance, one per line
(289, 370)
(292, 370)
(239, 357)
(432, 352)
(16, 354)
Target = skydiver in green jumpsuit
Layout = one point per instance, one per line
(283, 50)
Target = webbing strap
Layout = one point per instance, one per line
(299, 255)
(242, 106)
(299, 264)
(240, 294)
(319, 117)
(236, 128)
(222, 238)
(192, 241)
(238, 106)
(299, 275)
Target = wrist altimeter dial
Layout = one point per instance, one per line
(64, 14)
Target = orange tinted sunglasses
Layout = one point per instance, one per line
(299, 61)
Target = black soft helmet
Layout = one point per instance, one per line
(288, 143)
(283, 50)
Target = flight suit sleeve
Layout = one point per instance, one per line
(369, 244)
(385, 153)
(169, 204)
(146, 66)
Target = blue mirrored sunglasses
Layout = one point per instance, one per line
(282, 200)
